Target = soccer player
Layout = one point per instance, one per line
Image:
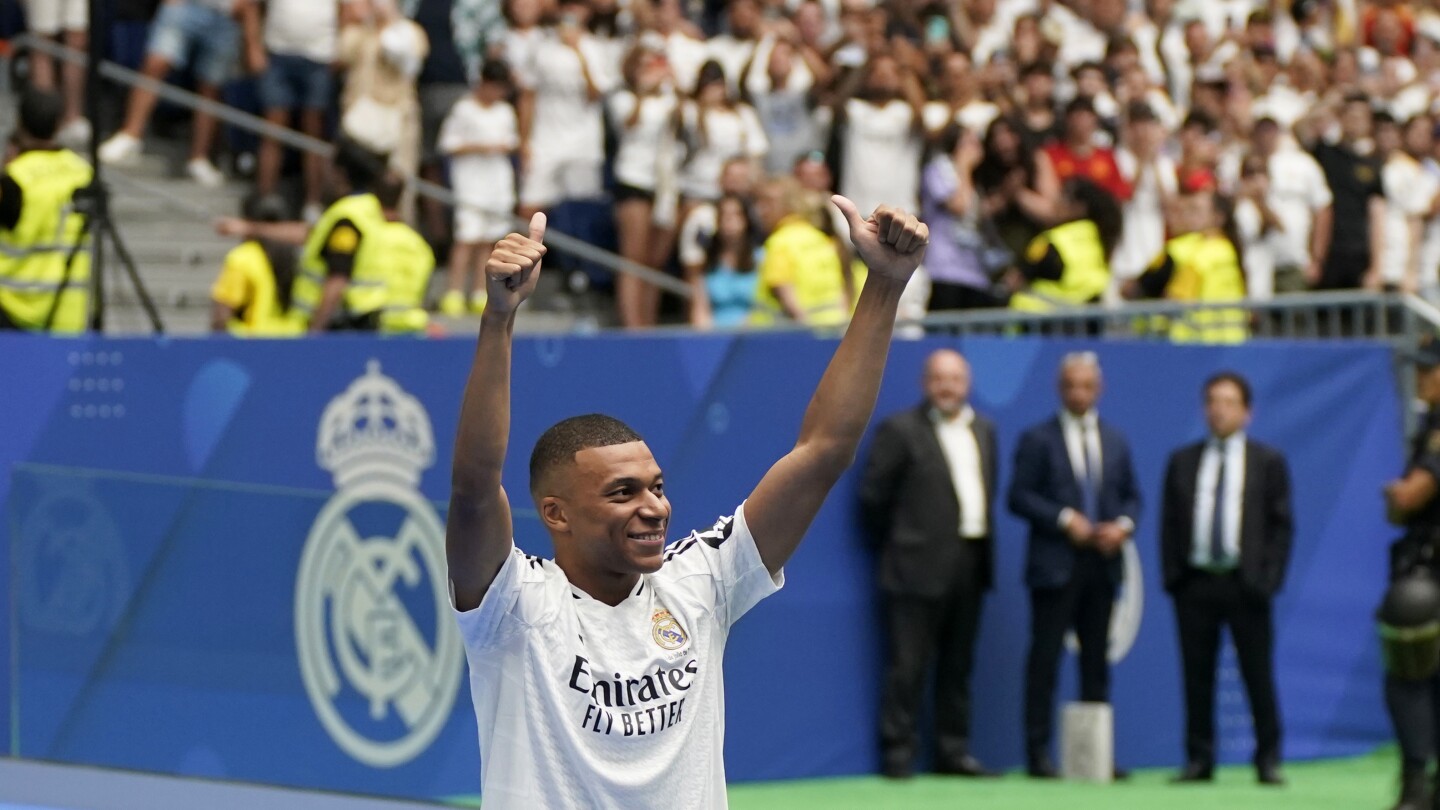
(596, 677)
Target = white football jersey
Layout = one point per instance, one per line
(584, 705)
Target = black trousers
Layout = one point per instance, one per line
(1413, 705)
(1414, 708)
(1084, 604)
(921, 631)
(1204, 603)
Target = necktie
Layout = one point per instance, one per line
(1092, 472)
(1218, 556)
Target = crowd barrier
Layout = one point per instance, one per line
(225, 558)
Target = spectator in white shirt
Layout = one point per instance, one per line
(714, 128)
(292, 51)
(1409, 196)
(1300, 198)
(480, 136)
(562, 128)
(736, 47)
(643, 115)
(881, 135)
(1255, 225)
(1152, 176)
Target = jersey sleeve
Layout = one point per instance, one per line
(523, 594)
(722, 563)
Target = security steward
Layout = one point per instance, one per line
(1409, 615)
(407, 263)
(1069, 265)
(341, 286)
(44, 275)
(1201, 264)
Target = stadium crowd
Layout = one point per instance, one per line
(1063, 153)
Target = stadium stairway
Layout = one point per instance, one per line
(167, 222)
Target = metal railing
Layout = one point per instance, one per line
(1400, 319)
(562, 242)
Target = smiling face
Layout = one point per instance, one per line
(609, 513)
(947, 381)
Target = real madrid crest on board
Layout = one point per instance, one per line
(379, 651)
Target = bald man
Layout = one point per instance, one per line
(927, 500)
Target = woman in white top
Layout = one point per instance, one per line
(714, 127)
(643, 115)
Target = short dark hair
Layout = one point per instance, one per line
(559, 444)
(1235, 379)
(40, 112)
(495, 70)
(390, 189)
(361, 167)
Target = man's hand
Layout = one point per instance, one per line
(891, 242)
(1080, 530)
(514, 267)
(1109, 537)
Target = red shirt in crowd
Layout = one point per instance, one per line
(1098, 167)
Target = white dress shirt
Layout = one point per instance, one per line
(1232, 451)
(962, 453)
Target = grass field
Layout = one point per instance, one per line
(1363, 783)
(1352, 784)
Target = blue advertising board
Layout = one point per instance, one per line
(225, 556)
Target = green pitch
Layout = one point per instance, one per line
(1364, 783)
(1351, 784)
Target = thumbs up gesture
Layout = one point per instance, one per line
(890, 241)
(514, 267)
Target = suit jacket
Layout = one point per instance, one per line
(909, 506)
(1266, 522)
(1044, 485)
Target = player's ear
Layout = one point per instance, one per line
(552, 514)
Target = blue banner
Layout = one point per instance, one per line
(225, 556)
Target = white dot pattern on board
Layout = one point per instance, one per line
(96, 394)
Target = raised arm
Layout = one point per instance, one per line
(478, 533)
(780, 510)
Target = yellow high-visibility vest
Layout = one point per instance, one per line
(33, 254)
(366, 292)
(1086, 274)
(407, 261)
(1206, 269)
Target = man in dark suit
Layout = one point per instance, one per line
(1075, 485)
(927, 498)
(1225, 539)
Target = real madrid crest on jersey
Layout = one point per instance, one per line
(666, 631)
(379, 651)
